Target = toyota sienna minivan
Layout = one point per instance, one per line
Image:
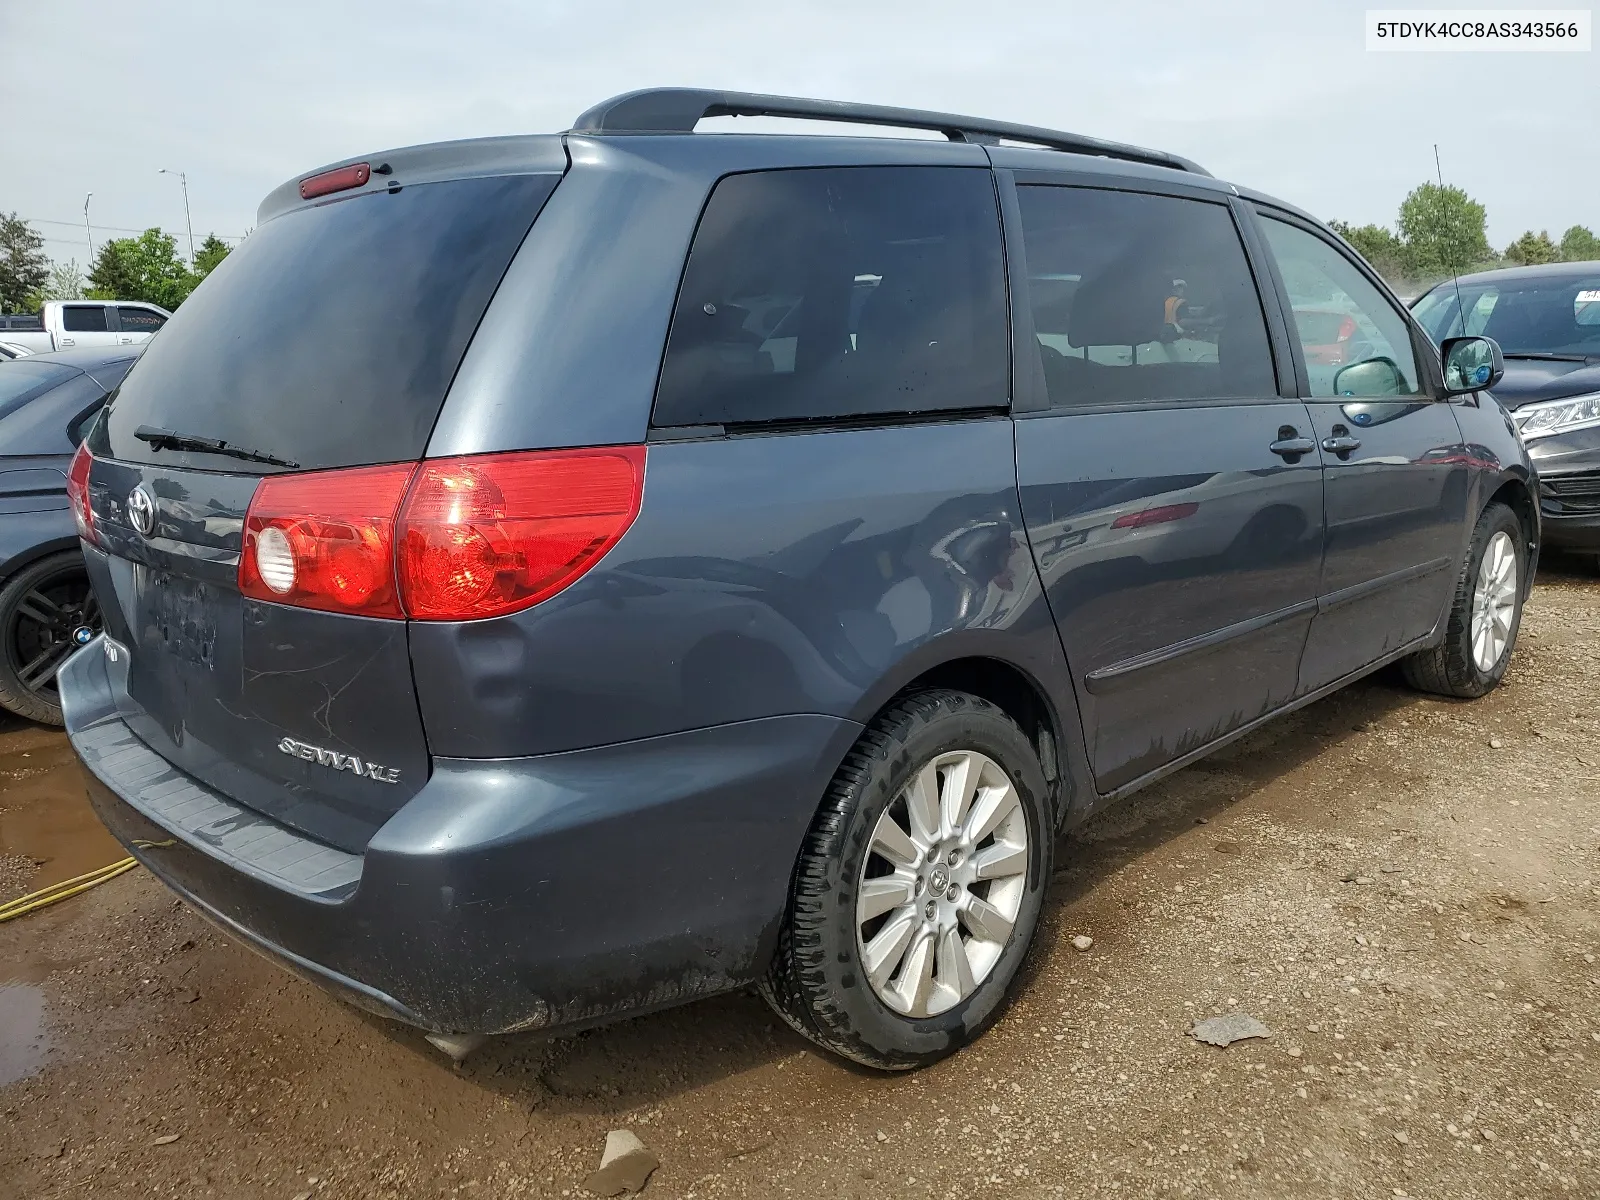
(547, 579)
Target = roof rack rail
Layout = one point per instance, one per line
(678, 110)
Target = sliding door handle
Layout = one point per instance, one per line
(1341, 443)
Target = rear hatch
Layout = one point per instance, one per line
(327, 340)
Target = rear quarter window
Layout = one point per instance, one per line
(820, 294)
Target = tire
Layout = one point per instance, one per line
(819, 982)
(40, 607)
(1453, 668)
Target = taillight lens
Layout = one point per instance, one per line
(491, 534)
(453, 539)
(325, 540)
(78, 493)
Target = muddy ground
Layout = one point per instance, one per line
(1405, 890)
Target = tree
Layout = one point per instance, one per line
(1379, 246)
(1533, 249)
(65, 282)
(212, 251)
(143, 268)
(23, 266)
(1443, 229)
(1579, 245)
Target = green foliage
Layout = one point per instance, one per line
(212, 251)
(148, 268)
(143, 268)
(1379, 246)
(24, 269)
(1533, 249)
(1443, 229)
(1579, 244)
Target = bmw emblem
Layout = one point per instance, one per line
(142, 511)
(82, 635)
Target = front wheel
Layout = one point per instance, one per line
(43, 608)
(918, 887)
(1485, 613)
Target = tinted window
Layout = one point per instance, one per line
(817, 294)
(139, 320)
(1140, 297)
(82, 318)
(1526, 316)
(330, 336)
(1329, 294)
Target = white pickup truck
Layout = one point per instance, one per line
(65, 324)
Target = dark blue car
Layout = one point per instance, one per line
(1547, 321)
(46, 403)
(625, 565)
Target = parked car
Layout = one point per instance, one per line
(698, 604)
(1547, 321)
(46, 608)
(83, 324)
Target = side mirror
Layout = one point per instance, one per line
(1371, 377)
(1471, 364)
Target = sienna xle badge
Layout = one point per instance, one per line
(746, 554)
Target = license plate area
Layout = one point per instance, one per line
(177, 616)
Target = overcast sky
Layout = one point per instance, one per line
(1280, 96)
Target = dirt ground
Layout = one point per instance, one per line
(1405, 890)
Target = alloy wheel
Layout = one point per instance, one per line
(1494, 601)
(42, 626)
(942, 883)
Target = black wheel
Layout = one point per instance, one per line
(918, 887)
(41, 608)
(1485, 613)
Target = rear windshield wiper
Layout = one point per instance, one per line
(166, 439)
(1544, 357)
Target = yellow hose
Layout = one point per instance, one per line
(33, 901)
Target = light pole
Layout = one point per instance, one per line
(86, 232)
(184, 180)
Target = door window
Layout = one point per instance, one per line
(1342, 320)
(840, 292)
(139, 320)
(83, 318)
(1138, 297)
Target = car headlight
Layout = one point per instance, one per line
(1550, 417)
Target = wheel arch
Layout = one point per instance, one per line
(1056, 735)
(1516, 493)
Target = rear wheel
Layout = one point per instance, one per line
(919, 886)
(1485, 613)
(42, 608)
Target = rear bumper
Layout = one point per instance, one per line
(508, 894)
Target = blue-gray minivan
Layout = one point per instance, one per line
(626, 565)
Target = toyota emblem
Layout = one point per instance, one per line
(142, 511)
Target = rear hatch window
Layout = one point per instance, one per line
(330, 336)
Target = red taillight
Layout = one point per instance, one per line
(325, 540)
(491, 534)
(453, 539)
(337, 180)
(1347, 329)
(78, 493)
(1155, 516)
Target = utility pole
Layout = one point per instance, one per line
(184, 181)
(86, 232)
